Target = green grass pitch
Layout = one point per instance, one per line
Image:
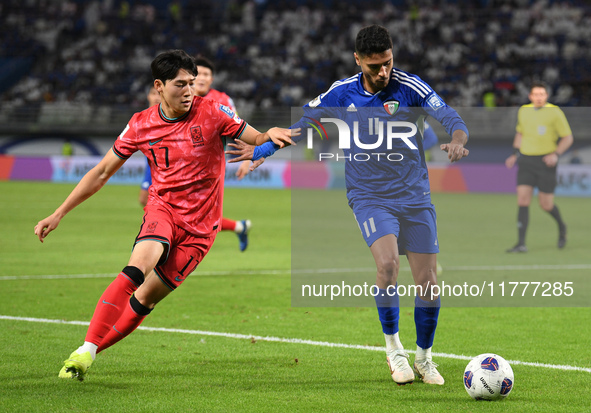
(247, 296)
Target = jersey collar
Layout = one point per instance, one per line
(364, 92)
(173, 120)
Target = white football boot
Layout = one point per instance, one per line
(399, 367)
(426, 370)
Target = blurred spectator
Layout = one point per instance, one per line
(67, 148)
(273, 54)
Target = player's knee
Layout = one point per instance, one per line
(523, 200)
(427, 288)
(135, 274)
(387, 266)
(547, 205)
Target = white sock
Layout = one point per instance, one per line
(88, 346)
(239, 227)
(393, 342)
(423, 353)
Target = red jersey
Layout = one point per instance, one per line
(187, 159)
(221, 97)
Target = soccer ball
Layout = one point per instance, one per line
(488, 377)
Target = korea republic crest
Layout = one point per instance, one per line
(391, 106)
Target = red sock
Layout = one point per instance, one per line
(109, 307)
(127, 323)
(228, 224)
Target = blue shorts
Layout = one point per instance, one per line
(414, 226)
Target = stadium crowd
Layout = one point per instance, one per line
(271, 54)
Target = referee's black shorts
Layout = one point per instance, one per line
(534, 172)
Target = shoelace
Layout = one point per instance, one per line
(399, 361)
(429, 366)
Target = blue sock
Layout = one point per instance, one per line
(426, 314)
(388, 310)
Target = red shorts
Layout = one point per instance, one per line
(182, 250)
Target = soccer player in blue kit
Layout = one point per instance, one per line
(390, 195)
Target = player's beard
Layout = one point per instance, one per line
(380, 84)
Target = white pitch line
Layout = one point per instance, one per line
(113, 275)
(519, 267)
(292, 341)
(316, 271)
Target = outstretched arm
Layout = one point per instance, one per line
(279, 136)
(256, 146)
(94, 180)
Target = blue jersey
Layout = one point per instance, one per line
(384, 158)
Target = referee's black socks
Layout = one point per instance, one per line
(522, 222)
(556, 215)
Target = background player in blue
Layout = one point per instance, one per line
(390, 199)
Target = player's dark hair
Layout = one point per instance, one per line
(372, 40)
(205, 62)
(167, 64)
(539, 83)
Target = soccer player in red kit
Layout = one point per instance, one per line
(203, 82)
(183, 139)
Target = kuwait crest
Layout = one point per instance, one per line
(391, 106)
